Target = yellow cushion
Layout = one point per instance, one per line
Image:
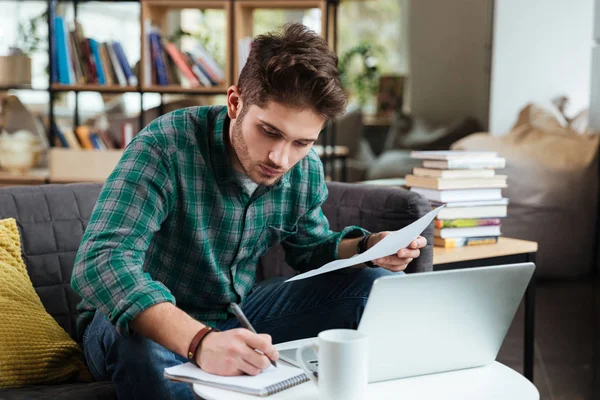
(34, 349)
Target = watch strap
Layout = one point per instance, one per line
(362, 247)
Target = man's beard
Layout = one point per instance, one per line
(240, 148)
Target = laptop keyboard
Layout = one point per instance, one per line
(290, 357)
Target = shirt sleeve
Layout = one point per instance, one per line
(133, 203)
(314, 244)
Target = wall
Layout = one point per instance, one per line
(595, 79)
(542, 49)
(449, 45)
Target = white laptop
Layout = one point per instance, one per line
(438, 321)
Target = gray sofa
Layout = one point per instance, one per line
(52, 219)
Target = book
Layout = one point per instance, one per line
(181, 62)
(475, 231)
(126, 134)
(464, 241)
(466, 223)
(95, 51)
(121, 79)
(449, 196)
(129, 75)
(483, 163)
(452, 154)
(472, 212)
(474, 203)
(63, 57)
(454, 173)
(498, 181)
(268, 382)
(200, 51)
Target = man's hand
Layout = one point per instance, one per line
(232, 352)
(399, 261)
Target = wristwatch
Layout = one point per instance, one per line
(362, 247)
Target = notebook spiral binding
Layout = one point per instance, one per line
(288, 383)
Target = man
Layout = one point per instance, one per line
(197, 198)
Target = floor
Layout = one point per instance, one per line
(567, 344)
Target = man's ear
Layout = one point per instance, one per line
(234, 102)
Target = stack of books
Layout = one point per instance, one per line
(467, 183)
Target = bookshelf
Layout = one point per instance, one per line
(238, 20)
(244, 22)
(155, 13)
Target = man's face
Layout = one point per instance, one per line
(269, 141)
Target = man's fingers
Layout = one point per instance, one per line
(418, 243)
(398, 264)
(247, 368)
(261, 342)
(406, 253)
(396, 268)
(255, 358)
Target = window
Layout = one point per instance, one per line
(379, 23)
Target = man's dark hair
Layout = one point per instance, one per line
(296, 68)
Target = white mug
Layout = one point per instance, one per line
(343, 365)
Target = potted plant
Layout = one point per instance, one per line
(15, 67)
(360, 80)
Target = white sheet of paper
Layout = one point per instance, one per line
(389, 245)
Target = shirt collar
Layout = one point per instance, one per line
(220, 157)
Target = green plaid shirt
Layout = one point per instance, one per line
(172, 223)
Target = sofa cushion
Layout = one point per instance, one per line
(552, 187)
(34, 348)
(392, 164)
(73, 391)
(51, 220)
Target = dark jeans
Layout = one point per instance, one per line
(286, 311)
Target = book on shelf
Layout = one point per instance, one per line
(81, 60)
(464, 241)
(467, 184)
(244, 47)
(83, 137)
(166, 64)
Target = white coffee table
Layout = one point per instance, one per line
(492, 382)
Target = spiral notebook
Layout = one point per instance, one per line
(268, 382)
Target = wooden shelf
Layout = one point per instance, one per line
(35, 176)
(18, 87)
(172, 89)
(94, 88)
(504, 247)
(200, 4)
(338, 151)
(377, 120)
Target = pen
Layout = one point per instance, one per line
(246, 324)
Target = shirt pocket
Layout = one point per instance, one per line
(277, 234)
(272, 235)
